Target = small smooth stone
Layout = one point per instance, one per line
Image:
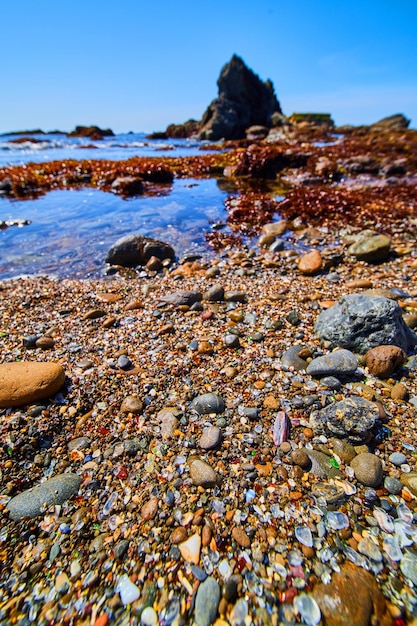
(93, 314)
(214, 294)
(308, 608)
(124, 362)
(128, 591)
(132, 404)
(178, 535)
(382, 361)
(275, 228)
(368, 469)
(54, 491)
(45, 343)
(207, 602)
(150, 509)
(190, 549)
(393, 485)
(62, 583)
(208, 403)
(149, 617)
(291, 358)
(301, 458)
(331, 382)
(344, 450)
(410, 481)
(340, 363)
(371, 248)
(26, 382)
(29, 341)
(202, 474)
(231, 341)
(397, 458)
(79, 443)
(321, 466)
(241, 537)
(211, 438)
(399, 392)
(310, 263)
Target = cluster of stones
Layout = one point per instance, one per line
(359, 331)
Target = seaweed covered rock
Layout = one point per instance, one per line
(134, 250)
(244, 100)
(359, 322)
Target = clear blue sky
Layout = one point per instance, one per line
(140, 65)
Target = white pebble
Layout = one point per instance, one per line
(128, 591)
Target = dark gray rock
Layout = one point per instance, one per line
(136, 250)
(56, 490)
(340, 363)
(208, 403)
(371, 249)
(207, 602)
(360, 322)
(215, 294)
(290, 358)
(350, 419)
(243, 101)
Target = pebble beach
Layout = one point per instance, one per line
(195, 487)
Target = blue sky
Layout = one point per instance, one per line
(139, 65)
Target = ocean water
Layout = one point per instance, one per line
(67, 233)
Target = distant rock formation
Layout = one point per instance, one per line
(93, 132)
(244, 101)
(393, 122)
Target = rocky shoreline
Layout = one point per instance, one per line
(185, 472)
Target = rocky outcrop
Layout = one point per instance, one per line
(393, 122)
(93, 132)
(243, 101)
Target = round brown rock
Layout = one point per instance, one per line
(131, 404)
(241, 537)
(310, 263)
(301, 458)
(26, 382)
(382, 361)
(368, 469)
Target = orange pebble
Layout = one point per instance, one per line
(103, 620)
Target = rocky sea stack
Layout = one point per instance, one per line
(244, 101)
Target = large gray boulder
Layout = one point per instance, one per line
(359, 322)
(136, 250)
(244, 100)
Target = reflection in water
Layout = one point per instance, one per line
(71, 231)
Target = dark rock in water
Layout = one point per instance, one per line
(56, 490)
(393, 122)
(181, 131)
(6, 186)
(136, 250)
(127, 186)
(94, 132)
(243, 101)
(350, 419)
(359, 322)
